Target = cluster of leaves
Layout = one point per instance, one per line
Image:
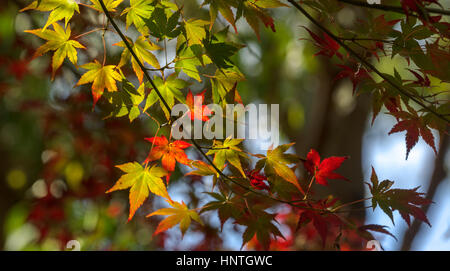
(245, 193)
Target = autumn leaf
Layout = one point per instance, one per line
(141, 47)
(168, 152)
(364, 231)
(179, 213)
(276, 164)
(356, 77)
(141, 182)
(101, 77)
(60, 9)
(137, 12)
(405, 201)
(323, 170)
(253, 14)
(224, 7)
(321, 220)
(260, 224)
(257, 180)
(170, 89)
(414, 126)
(109, 4)
(197, 110)
(59, 41)
(195, 31)
(228, 151)
(328, 46)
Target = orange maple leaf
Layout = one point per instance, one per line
(168, 152)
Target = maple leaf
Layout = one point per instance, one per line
(60, 9)
(196, 108)
(228, 151)
(225, 82)
(137, 12)
(253, 13)
(59, 41)
(329, 47)
(141, 47)
(161, 26)
(224, 7)
(414, 126)
(188, 61)
(109, 4)
(141, 182)
(382, 27)
(126, 101)
(364, 231)
(257, 180)
(168, 152)
(259, 223)
(101, 77)
(170, 89)
(355, 76)
(195, 31)
(323, 170)
(226, 207)
(405, 201)
(276, 163)
(321, 220)
(180, 213)
(423, 81)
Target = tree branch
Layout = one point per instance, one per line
(396, 9)
(365, 62)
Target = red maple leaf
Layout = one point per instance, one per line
(421, 81)
(323, 170)
(196, 108)
(321, 221)
(257, 180)
(355, 76)
(412, 124)
(329, 47)
(169, 153)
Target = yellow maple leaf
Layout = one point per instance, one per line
(101, 77)
(180, 213)
(60, 9)
(59, 41)
(141, 48)
(141, 182)
(109, 4)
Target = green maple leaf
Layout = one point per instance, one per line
(141, 47)
(276, 164)
(141, 182)
(259, 223)
(170, 89)
(228, 151)
(137, 12)
(126, 101)
(195, 31)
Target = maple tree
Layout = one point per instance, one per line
(248, 186)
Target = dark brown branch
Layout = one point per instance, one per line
(396, 9)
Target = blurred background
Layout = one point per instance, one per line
(58, 154)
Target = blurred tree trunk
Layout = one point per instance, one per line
(327, 130)
(439, 174)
